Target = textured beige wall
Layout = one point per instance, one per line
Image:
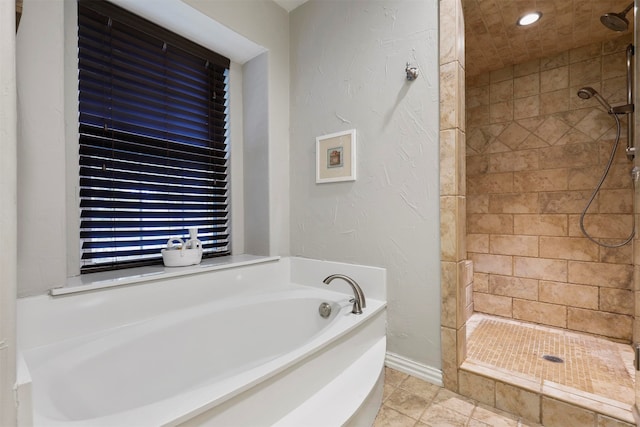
(535, 152)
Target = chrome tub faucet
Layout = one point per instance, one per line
(358, 296)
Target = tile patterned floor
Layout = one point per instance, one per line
(591, 365)
(411, 402)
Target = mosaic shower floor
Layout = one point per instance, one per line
(590, 366)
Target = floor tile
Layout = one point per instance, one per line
(407, 403)
(412, 402)
(452, 401)
(494, 417)
(388, 417)
(438, 415)
(419, 387)
(393, 377)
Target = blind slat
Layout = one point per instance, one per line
(164, 233)
(88, 226)
(86, 193)
(150, 168)
(110, 244)
(114, 177)
(136, 142)
(90, 183)
(138, 252)
(143, 205)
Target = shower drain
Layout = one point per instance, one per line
(554, 359)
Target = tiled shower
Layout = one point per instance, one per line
(535, 152)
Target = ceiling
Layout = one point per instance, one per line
(289, 5)
(494, 41)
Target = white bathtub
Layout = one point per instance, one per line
(230, 350)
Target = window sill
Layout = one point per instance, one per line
(132, 276)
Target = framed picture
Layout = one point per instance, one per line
(336, 157)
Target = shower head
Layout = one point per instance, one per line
(588, 92)
(616, 21)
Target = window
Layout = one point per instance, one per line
(153, 140)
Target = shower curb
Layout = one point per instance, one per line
(536, 399)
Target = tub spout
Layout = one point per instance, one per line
(358, 296)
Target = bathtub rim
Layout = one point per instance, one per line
(43, 319)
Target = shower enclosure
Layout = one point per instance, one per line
(536, 151)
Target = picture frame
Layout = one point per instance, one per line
(336, 157)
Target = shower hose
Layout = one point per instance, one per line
(597, 189)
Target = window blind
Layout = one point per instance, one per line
(153, 140)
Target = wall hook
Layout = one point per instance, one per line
(412, 72)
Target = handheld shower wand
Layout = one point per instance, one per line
(588, 92)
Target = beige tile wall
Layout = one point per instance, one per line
(455, 270)
(535, 152)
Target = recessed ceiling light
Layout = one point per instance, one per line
(529, 18)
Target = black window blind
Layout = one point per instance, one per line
(153, 140)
